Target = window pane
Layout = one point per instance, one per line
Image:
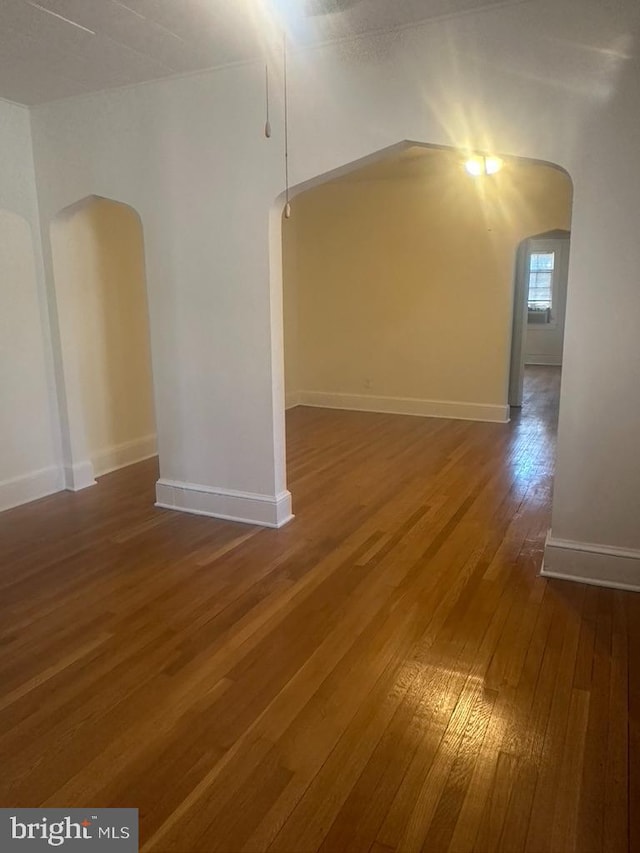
(540, 289)
(541, 261)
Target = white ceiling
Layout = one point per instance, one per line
(52, 49)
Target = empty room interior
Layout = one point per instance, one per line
(319, 425)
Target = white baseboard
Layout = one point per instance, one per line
(406, 406)
(291, 400)
(544, 360)
(120, 455)
(30, 487)
(245, 507)
(79, 476)
(585, 562)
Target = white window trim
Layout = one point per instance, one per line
(540, 247)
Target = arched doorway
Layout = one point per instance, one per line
(404, 274)
(539, 308)
(100, 285)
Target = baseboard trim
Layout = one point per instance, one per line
(586, 562)
(30, 487)
(226, 504)
(406, 406)
(79, 476)
(544, 360)
(291, 401)
(120, 455)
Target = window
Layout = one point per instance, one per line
(541, 270)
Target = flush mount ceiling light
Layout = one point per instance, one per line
(482, 165)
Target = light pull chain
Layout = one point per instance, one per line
(287, 206)
(267, 126)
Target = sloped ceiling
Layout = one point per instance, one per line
(52, 49)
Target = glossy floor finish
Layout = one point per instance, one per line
(388, 672)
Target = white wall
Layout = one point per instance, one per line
(165, 150)
(29, 443)
(557, 82)
(290, 309)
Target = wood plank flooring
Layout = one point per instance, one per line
(387, 673)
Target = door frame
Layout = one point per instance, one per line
(520, 306)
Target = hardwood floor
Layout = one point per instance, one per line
(387, 673)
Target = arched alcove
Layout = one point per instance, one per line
(100, 284)
(403, 265)
(27, 451)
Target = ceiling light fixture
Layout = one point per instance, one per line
(482, 165)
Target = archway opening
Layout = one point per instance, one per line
(398, 281)
(99, 270)
(540, 302)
